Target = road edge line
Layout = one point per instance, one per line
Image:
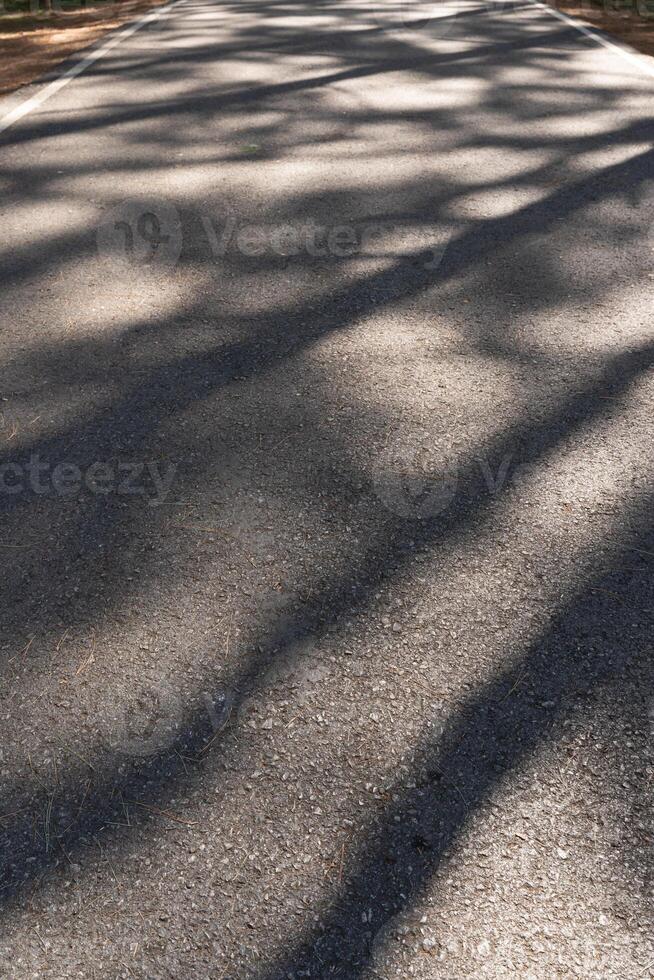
(631, 56)
(24, 108)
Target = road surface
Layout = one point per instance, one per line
(326, 500)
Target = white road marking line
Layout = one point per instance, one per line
(635, 59)
(46, 93)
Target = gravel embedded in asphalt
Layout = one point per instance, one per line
(326, 502)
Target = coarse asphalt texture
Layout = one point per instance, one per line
(326, 506)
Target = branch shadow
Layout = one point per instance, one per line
(480, 745)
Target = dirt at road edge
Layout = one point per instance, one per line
(31, 45)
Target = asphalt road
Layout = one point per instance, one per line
(326, 509)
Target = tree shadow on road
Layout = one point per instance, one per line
(209, 408)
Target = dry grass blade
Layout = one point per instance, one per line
(163, 813)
